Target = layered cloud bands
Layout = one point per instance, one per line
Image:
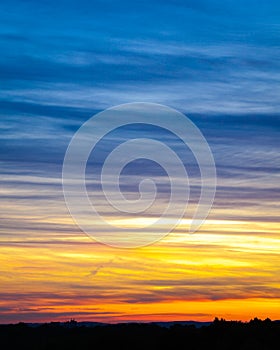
(217, 63)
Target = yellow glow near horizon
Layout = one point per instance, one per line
(184, 276)
(229, 269)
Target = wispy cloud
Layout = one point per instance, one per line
(215, 61)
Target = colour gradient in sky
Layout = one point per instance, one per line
(215, 61)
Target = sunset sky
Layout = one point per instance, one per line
(215, 61)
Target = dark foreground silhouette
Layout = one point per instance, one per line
(220, 334)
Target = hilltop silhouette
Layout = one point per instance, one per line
(219, 334)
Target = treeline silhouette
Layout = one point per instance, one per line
(220, 334)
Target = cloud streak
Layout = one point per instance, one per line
(217, 63)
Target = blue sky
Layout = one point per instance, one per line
(215, 61)
(218, 62)
(199, 56)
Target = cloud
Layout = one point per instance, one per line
(215, 61)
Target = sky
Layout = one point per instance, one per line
(215, 61)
